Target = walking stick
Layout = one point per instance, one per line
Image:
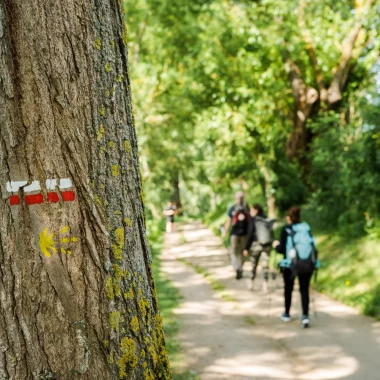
(271, 275)
(313, 296)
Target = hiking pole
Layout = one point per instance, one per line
(268, 287)
(313, 295)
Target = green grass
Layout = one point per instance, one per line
(168, 300)
(249, 320)
(216, 285)
(351, 271)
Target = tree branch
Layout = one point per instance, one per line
(338, 83)
(311, 50)
(294, 75)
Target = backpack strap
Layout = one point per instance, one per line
(292, 234)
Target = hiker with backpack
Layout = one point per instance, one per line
(238, 221)
(298, 246)
(260, 238)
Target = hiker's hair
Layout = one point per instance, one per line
(294, 214)
(259, 208)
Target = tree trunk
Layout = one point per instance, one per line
(269, 195)
(77, 298)
(177, 192)
(305, 99)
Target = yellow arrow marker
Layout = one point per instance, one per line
(67, 240)
(67, 252)
(47, 243)
(65, 229)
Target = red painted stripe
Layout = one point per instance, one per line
(68, 196)
(34, 199)
(52, 198)
(14, 200)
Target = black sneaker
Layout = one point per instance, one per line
(239, 274)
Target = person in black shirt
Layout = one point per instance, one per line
(238, 218)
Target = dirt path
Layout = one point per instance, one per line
(241, 337)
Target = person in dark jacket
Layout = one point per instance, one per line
(293, 218)
(259, 252)
(238, 222)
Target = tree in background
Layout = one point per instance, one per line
(250, 94)
(77, 294)
(328, 47)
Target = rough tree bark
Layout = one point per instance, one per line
(309, 101)
(77, 299)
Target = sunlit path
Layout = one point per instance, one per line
(238, 334)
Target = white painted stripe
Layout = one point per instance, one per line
(51, 184)
(12, 187)
(65, 183)
(34, 186)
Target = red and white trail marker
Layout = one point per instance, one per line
(36, 197)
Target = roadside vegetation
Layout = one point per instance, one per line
(168, 300)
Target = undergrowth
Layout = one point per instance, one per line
(168, 300)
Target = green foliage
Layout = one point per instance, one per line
(214, 106)
(345, 174)
(351, 271)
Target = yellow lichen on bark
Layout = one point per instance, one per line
(130, 295)
(98, 44)
(129, 357)
(115, 170)
(148, 375)
(118, 247)
(115, 320)
(128, 222)
(135, 324)
(127, 147)
(109, 288)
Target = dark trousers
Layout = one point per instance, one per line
(304, 281)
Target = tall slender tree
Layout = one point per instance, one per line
(77, 298)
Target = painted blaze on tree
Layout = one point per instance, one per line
(77, 298)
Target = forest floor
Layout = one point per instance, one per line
(229, 332)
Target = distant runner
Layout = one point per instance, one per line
(169, 212)
(238, 217)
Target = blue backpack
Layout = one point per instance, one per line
(301, 251)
